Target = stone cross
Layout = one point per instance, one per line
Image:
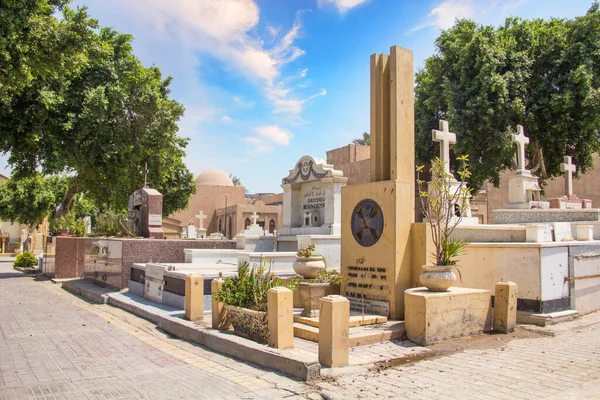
(254, 218)
(568, 169)
(521, 140)
(146, 175)
(445, 137)
(201, 216)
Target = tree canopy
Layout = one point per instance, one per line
(544, 75)
(94, 112)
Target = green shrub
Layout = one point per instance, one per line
(111, 224)
(25, 260)
(249, 288)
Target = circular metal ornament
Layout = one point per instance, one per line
(367, 222)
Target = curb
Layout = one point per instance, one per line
(96, 298)
(222, 342)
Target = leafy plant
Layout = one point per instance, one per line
(307, 251)
(111, 224)
(443, 205)
(328, 276)
(249, 288)
(25, 260)
(76, 226)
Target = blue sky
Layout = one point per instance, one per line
(265, 82)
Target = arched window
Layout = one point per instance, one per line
(220, 225)
(247, 223)
(230, 230)
(271, 226)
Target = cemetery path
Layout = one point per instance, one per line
(55, 345)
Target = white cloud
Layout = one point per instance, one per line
(242, 103)
(252, 140)
(341, 5)
(444, 14)
(274, 134)
(225, 29)
(226, 119)
(320, 160)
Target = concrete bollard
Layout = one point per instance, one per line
(585, 232)
(334, 331)
(194, 297)
(280, 316)
(220, 319)
(505, 307)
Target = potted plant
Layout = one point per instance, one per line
(307, 263)
(312, 290)
(443, 204)
(245, 298)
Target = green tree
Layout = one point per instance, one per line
(29, 200)
(365, 140)
(485, 80)
(99, 123)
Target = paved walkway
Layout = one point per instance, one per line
(54, 345)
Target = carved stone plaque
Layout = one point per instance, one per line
(367, 222)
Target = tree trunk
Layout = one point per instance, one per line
(67, 202)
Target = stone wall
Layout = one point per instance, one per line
(70, 253)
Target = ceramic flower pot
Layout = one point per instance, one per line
(308, 267)
(437, 278)
(310, 295)
(249, 323)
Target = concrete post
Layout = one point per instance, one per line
(220, 319)
(194, 297)
(505, 307)
(280, 315)
(334, 331)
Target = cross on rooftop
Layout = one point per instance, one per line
(201, 216)
(521, 140)
(254, 218)
(568, 169)
(445, 137)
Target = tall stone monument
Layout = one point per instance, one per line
(377, 216)
(312, 199)
(144, 215)
(523, 188)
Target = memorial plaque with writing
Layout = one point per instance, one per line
(361, 305)
(313, 197)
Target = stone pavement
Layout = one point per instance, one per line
(54, 345)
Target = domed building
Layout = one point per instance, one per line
(225, 206)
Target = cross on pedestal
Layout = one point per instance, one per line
(568, 169)
(201, 217)
(445, 137)
(521, 140)
(254, 218)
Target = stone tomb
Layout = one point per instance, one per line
(312, 199)
(377, 216)
(569, 201)
(523, 188)
(144, 215)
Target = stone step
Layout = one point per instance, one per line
(356, 319)
(359, 335)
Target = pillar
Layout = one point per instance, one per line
(220, 319)
(194, 297)
(334, 331)
(280, 315)
(505, 307)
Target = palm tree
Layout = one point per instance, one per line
(365, 140)
(236, 181)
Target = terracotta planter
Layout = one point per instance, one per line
(310, 295)
(308, 267)
(249, 323)
(437, 278)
